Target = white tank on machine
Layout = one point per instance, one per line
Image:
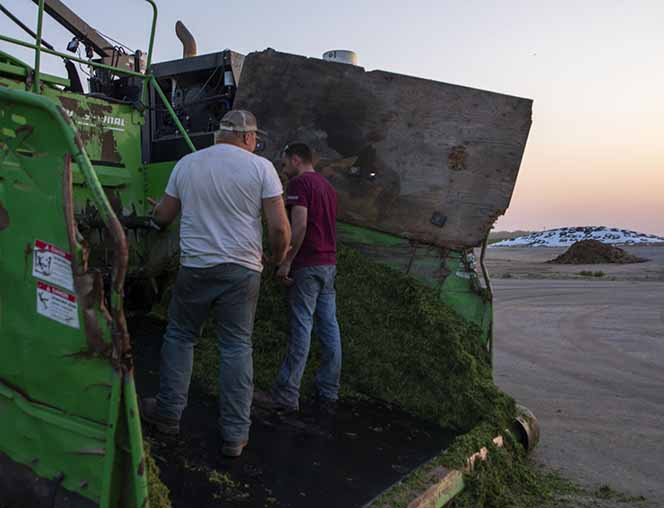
(341, 56)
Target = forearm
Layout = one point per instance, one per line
(279, 243)
(166, 211)
(159, 217)
(296, 242)
(279, 230)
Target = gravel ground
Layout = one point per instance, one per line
(586, 357)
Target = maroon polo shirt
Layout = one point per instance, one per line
(315, 193)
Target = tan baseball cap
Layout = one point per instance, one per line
(239, 120)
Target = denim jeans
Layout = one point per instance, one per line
(312, 295)
(231, 291)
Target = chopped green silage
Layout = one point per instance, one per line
(158, 493)
(402, 493)
(508, 479)
(400, 344)
(606, 492)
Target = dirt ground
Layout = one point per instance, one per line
(586, 356)
(530, 263)
(291, 462)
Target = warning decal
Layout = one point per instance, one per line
(52, 264)
(57, 305)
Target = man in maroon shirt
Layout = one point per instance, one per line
(309, 271)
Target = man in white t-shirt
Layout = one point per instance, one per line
(219, 192)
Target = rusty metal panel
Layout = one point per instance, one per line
(66, 382)
(425, 160)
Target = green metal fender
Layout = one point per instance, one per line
(69, 424)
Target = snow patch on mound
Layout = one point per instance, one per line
(564, 237)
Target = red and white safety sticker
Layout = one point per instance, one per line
(52, 264)
(56, 304)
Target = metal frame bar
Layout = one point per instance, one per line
(72, 58)
(178, 124)
(22, 72)
(38, 46)
(137, 453)
(489, 288)
(148, 63)
(69, 20)
(152, 32)
(111, 440)
(148, 79)
(22, 25)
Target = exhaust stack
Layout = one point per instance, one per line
(187, 40)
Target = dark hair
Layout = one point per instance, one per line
(301, 150)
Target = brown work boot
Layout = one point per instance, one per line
(269, 404)
(324, 406)
(285, 411)
(150, 414)
(233, 448)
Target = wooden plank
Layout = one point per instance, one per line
(424, 160)
(449, 483)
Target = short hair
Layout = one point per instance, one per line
(302, 150)
(227, 136)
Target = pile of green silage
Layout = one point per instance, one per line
(508, 479)
(400, 344)
(158, 493)
(505, 483)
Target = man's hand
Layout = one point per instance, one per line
(152, 222)
(269, 259)
(283, 273)
(166, 211)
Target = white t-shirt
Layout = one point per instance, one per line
(220, 189)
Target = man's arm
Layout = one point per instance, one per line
(299, 229)
(166, 211)
(278, 229)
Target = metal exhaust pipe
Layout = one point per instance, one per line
(187, 40)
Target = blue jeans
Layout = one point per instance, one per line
(313, 295)
(231, 291)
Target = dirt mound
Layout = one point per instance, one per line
(592, 252)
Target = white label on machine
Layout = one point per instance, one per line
(52, 265)
(57, 305)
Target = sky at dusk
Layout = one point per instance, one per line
(595, 70)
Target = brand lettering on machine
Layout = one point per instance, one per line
(114, 123)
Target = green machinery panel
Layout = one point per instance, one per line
(68, 406)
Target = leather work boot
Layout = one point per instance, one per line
(285, 411)
(325, 407)
(150, 414)
(233, 448)
(268, 402)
